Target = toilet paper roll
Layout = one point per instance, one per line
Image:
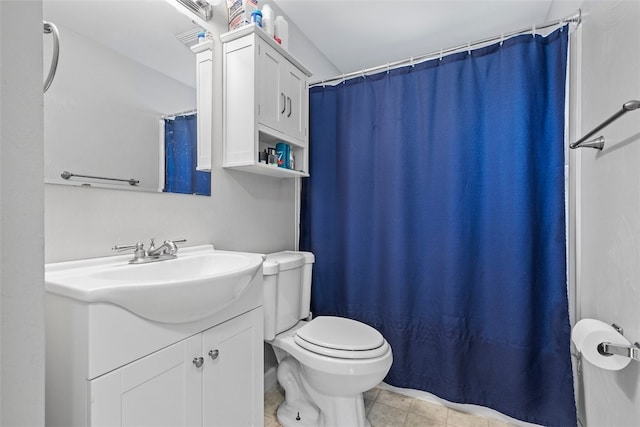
(588, 334)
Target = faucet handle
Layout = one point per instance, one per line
(152, 245)
(170, 246)
(138, 246)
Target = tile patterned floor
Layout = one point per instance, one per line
(386, 408)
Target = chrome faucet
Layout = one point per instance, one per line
(163, 252)
(167, 248)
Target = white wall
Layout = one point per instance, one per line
(608, 198)
(21, 213)
(305, 51)
(245, 212)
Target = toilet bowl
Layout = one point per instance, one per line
(324, 364)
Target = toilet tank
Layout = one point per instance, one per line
(287, 290)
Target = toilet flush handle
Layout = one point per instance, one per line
(214, 354)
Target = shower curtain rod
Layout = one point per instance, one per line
(181, 113)
(576, 18)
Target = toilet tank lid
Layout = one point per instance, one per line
(285, 260)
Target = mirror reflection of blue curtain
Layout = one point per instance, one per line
(181, 154)
(435, 209)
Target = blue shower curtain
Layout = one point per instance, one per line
(181, 156)
(435, 209)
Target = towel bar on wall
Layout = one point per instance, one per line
(598, 143)
(67, 175)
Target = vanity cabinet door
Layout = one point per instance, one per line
(161, 389)
(233, 380)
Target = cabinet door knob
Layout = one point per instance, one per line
(198, 361)
(214, 354)
(290, 110)
(284, 103)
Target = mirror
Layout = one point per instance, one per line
(124, 67)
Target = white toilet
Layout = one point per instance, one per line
(324, 364)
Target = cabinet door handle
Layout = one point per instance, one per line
(198, 361)
(284, 103)
(214, 354)
(290, 111)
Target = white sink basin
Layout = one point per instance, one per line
(199, 283)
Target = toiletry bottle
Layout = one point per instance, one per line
(283, 151)
(282, 31)
(256, 16)
(267, 20)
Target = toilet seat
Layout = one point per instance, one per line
(341, 338)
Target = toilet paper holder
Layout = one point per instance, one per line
(608, 349)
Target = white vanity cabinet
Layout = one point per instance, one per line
(209, 379)
(155, 344)
(265, 98)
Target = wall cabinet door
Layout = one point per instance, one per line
(162, 389)
(282, 93)
(272, 98)
(232, 377)
(295, 110)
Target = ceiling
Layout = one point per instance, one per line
(359, 34)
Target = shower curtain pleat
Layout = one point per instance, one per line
(435, 209)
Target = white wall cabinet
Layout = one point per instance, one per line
(265, 98)
(209, 379)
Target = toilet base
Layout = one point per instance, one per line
(297, 413)
(305, 406)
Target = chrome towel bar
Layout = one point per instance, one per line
(598, 143)
(67, 175)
